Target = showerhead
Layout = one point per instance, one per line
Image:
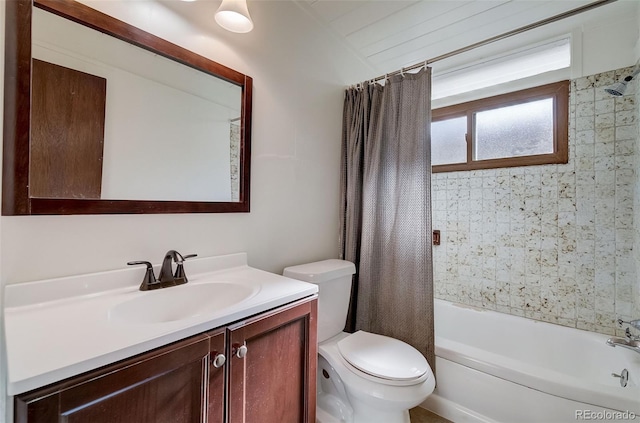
(619, 88)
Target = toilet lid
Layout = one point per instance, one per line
(382, 356)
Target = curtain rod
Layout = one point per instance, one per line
(502, 36)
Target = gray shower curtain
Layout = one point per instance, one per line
(386, 208)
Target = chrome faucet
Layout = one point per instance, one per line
(633, 323)
(630, 341)
(166, 278)
(631, 344)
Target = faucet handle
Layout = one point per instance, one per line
(149, 276)
(632, 323)
(179, 274)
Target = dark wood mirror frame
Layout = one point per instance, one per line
(17, 123)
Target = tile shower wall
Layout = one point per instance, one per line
(234, 148)
(551, 243)
(636, 206)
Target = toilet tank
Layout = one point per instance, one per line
(333, 278)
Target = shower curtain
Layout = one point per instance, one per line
(386, 208)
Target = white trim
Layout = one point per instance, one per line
(576, 53)
(519, 83)
(507, 87)
(452, 411)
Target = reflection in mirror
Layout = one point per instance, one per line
(67, 132)
(161, 131)
(146, 126)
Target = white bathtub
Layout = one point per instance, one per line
(494, 367)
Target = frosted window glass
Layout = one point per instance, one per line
(448, 144)
(521, 130)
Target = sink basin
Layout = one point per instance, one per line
(180, 302)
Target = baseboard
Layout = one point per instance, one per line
(452, 411)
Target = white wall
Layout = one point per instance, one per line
(154, 157)
(637, 49)
(299, 76)
(604, 41)
(166, 134)
(295, 159)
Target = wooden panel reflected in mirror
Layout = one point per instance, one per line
(23, 193)
(67, 132)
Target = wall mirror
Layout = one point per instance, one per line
(102, 117)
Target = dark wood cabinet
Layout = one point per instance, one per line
(260, 370)
(274, 378)
(216, 387)
(162, 386)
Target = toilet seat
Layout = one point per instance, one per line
(378, 384)
(382, 359)
(374, 399)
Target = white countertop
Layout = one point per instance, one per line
(60, 328)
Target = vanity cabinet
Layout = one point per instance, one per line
(276, 380)
(215, 393)
(267, 376)
(162, 386)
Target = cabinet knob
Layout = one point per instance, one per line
(241, 351)
(219, 360)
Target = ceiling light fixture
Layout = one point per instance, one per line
(233, 15)
(619, 88)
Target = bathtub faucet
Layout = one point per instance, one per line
(629, 336)
(633, 323)
(632, 343)
(627, 333)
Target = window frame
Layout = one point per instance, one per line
(558, 91)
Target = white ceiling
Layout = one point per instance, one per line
(387, 35)
(391, 34)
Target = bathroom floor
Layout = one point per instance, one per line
(420, 415)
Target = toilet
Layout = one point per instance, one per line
(362, 377)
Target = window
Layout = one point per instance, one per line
(531, 61)
(528, 127)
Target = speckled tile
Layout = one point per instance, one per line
(552, 243)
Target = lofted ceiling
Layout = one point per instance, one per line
(392, 34)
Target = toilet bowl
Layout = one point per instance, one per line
(362, 377)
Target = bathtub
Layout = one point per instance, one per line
(494, 367)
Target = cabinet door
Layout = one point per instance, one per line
(217, 366)
(273, 380)
(163, 386)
